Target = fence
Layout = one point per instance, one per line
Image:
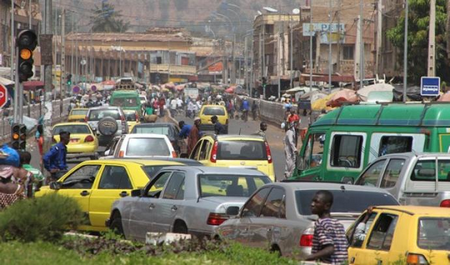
(33, 111)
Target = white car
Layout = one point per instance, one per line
(140, 146)
(143, 99)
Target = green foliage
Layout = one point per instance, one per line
(107, 19)
(44, 218)
(418, 22)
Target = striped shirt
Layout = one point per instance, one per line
(329, 231)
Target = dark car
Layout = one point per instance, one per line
(170, 130)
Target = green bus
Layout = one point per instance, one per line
(339, 145)
(127, 100)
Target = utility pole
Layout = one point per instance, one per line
(432, 40)
(379, 35)
(338, 58)
(13, 27)
(29, 15)
(311, 29)
(264, 56)
(47, 79)
(330, 65)
(280, 64)
(233, 59)
(405, 52)
(63, 59)
(361, 43)
(291, 59)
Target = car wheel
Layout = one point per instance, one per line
(180, 228)
(108, 126)
(116, 224)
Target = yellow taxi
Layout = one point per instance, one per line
(77, 114)
(132, 118)
(96, 184)
(83, 141)
(235, 151)
(206, 113)
(400, 235)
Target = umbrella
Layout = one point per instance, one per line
(344, 95)
(180, 87)
(230, 90)
(321, 104)
(169, 85)
(364, 92)
(109, 82)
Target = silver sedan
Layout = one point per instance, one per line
(278, 216)
(193, 200)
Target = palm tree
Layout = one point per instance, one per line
(106, 19)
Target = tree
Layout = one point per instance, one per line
(106, 19)
(418, 25)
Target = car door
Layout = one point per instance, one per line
(377, 242)
(171, 203)
(142, 213)
(269, 223)
(204, 152)
(114, 184)
(195, 153)
(79, 184)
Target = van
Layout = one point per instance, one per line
(343, 142)
(127, 100)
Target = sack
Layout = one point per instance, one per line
(9, 156)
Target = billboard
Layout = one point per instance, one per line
(326, 32)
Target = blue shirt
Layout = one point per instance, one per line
(219, 129)
(56, 157)
(245, 105)
(184, 133)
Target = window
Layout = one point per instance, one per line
(314, 151)
(175, 187)
(73, 129)
(253, 206)
(130, 116)
(241, 150)
(425, 170)
(395, 144)
(78, 112)
(204, 150)
(348, 52)
(147, 147)
(155, 189)
(356, 234)
(196, 151)
(114, 178)
(82, 178)
(444, 170)
(371, 175)
(275, 204)
(214, 111)
(125, 102)
(392, 173)
(346, 151)
(230, 185)
(96, 115)
(345, 201)
(434, 233)
(152, 171)
(151, 129)
(383, 232)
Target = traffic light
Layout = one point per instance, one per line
(19, 136)
(26, 42)
(69, 79)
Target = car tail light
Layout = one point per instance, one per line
(445, 204)
(307, 237)
(123, 118)
(121, 153)
(416, 259)
(214, 152)
(89, 138)
(269, 153)
(216, 218)
(174, 154)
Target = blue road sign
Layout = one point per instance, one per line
(430, 86)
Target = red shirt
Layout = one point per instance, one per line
(293, 118)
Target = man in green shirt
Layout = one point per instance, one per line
(37, 174)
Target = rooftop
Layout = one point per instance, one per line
(129, 37)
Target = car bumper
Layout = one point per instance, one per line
(81, 148)
(81, 155)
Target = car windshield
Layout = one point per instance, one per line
(152, 129)
(434, 233)
(230, 185)
(73, 129)
(152, 171)
(214, 111)
(98, 114)
(147, 147)
(241, 150)
(124, 102)
(345, 201)
(79, 112)
(130, 116)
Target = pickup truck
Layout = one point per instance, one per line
(421, 179)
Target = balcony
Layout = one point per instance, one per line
(173, 69)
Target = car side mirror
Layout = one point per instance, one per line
(347, 180)
(55, 185)
(137, 193)
(232, 211)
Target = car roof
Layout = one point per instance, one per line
(419, 210)
(70, 123)
(139, 162)
(79, 109)
(211, 105)
(413, 154)
(239, 137)
(155, 124)
(220, 170)
(144, 135)
(129, 111)
(302, 185)
(105, 108)
(185, 161)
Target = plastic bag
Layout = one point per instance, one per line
(283, 125)
(9, 156)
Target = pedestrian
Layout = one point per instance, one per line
(329, 242)
(218, 127)
(292, 117)
(55, 159)
(194, 135)
(245, 108)
(25, 158)
(254, 110)
(262, 129)
(290, 150)
(173, 107)
(185, 129)
(40, 137)
(161, 104)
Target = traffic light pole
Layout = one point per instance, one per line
(16, 88)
